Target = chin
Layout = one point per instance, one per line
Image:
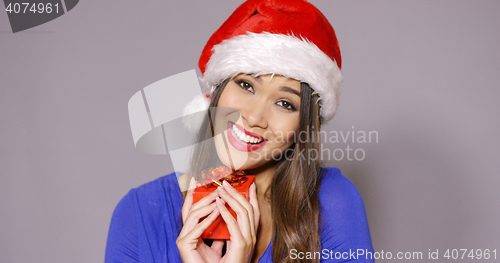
(245, 161)
(230, 156)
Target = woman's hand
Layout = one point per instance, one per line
(191, 246)
(243, 231)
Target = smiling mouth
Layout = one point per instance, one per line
(244, 137)
(244, 140)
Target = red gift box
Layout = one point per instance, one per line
(239, 181)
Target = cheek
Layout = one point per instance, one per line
(227, 110)
(229, 98)
(288, 131)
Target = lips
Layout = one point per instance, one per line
(243, 140)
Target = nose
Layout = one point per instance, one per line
(256, 114)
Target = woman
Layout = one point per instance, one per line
(273, 72)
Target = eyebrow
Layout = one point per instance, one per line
(257, 78)
(282, 88)
(288, 89)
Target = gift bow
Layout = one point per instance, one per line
(214, 177)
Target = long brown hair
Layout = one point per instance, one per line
(293, 192)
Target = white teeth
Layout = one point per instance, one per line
(244, 137)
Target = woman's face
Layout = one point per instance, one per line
(257, 119)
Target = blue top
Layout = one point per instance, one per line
(147, 221)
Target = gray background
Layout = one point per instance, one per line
(423, 74)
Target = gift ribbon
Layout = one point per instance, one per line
(214, 177)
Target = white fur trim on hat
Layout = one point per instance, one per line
(194, 112)
(290, 56)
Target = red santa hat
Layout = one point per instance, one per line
(286, 37)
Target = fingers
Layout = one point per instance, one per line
(255, 204)
(239, 204)
(236, 195)
(193, 228)
(188, 201)
(205, 201)
(240, 246)
(232, 224)
(244, 202)
(189, 243)
(243, 209)
(199, 228)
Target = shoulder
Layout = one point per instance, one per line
(153, 197)
(336, 187)
(162, 183)
(140, 214)
(147, 190)
(134, 201)
(344, 223)
(339, 196)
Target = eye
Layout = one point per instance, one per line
(286, 105)
(245, 85)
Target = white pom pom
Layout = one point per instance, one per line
(194, 112)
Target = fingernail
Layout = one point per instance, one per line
(220, 201)
(226, 184)
(220, 189)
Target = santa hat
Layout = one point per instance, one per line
(286, 37)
